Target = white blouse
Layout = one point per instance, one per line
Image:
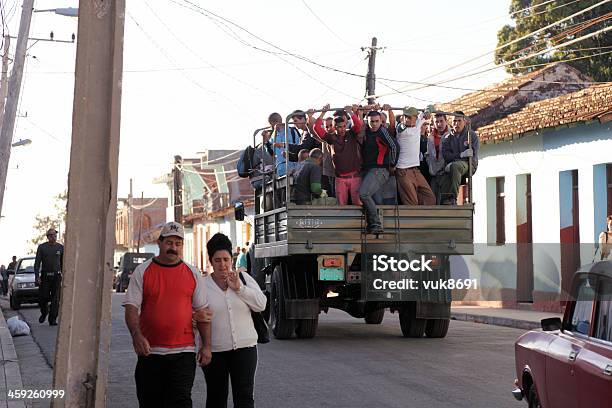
(232, 326)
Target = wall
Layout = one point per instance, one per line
(543, 155)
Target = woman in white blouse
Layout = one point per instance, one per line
(233, 335)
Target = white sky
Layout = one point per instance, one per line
(175, 102)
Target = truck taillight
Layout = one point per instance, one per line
(332, 262)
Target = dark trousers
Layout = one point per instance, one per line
(49, 291)
(372, 181)
(4, 286)
(165, 381)
(238, 365)
(328, 183)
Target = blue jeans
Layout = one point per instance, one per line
(372, 181)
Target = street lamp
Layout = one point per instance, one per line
(22, 142)
(64, 11)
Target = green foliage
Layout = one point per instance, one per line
(597, 67)
(55, 220)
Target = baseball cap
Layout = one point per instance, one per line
(172, 229)
(51, 231)
(298, 113)
(411, 111)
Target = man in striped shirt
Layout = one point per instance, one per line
(162, 297)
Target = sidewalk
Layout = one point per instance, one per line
(518, 319)
(10, 374)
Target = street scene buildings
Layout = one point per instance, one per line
(197, 200)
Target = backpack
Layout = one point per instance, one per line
(245, 162)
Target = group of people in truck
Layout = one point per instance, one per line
(366, 155)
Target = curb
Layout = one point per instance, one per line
(496, 321)
(10, 374)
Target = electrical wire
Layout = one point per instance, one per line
(212, 16)
(323, 23)
(517, 39)
(197, 55)
(438, 84)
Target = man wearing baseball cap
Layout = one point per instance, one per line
(163, 296)
(48, 275)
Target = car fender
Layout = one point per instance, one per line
(530, 358)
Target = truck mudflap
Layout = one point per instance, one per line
(301, 308)
(433, 310)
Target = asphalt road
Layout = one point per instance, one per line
(348, 364)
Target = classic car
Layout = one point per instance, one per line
(569, 362)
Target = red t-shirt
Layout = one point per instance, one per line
(166, 296)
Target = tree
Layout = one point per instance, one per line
(56, 220)
(598, 67)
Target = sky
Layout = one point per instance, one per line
(193, 82)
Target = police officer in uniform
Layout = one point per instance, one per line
(48, 272)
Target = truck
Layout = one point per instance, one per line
(129, 261)
(309, 258)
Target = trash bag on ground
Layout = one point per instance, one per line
(18, 327)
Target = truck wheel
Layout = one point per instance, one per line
(307, 328)
(375, 317)
(15, 305)
(411, 326)
(437, 328)
(282, 328)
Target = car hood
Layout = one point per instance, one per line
(24, 277)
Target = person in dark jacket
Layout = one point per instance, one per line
(48, 274)
(380, 152)
(456, 150)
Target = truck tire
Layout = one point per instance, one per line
(14, 303)
(282, 328)
(307, 328)
(411, 326)
(375, 317)
(437, 328)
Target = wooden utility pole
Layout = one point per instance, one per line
(371, 76)
(83, 341)
(140, 220)
(177, 182)
(12, 99)
(4, 77)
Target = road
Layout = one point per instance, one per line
(348, 364)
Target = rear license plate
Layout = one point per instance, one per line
(331, 274)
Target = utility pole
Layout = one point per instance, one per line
(4, 78)
(83, 340)
(371, 76)
(130, 237)
(140, 220)
(12, 99)
(177, 191)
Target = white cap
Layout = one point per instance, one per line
(172, 229)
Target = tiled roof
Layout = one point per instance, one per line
(587, 104)
(474, 102)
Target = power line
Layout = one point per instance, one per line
(438, 84)
(191, 50)
(518, 39)
(323, 23)
(210, 15)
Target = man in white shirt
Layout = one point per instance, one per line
(413, 188)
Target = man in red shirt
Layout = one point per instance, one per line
(162, 297)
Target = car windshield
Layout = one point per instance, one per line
(26, 266)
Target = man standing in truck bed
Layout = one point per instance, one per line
(380, 152)
(48, 273)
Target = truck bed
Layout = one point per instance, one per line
(308, 229)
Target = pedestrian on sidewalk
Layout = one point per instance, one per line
(241, 262)
(164, 295)
(48, 274)
(234, 338)
(4, 275)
